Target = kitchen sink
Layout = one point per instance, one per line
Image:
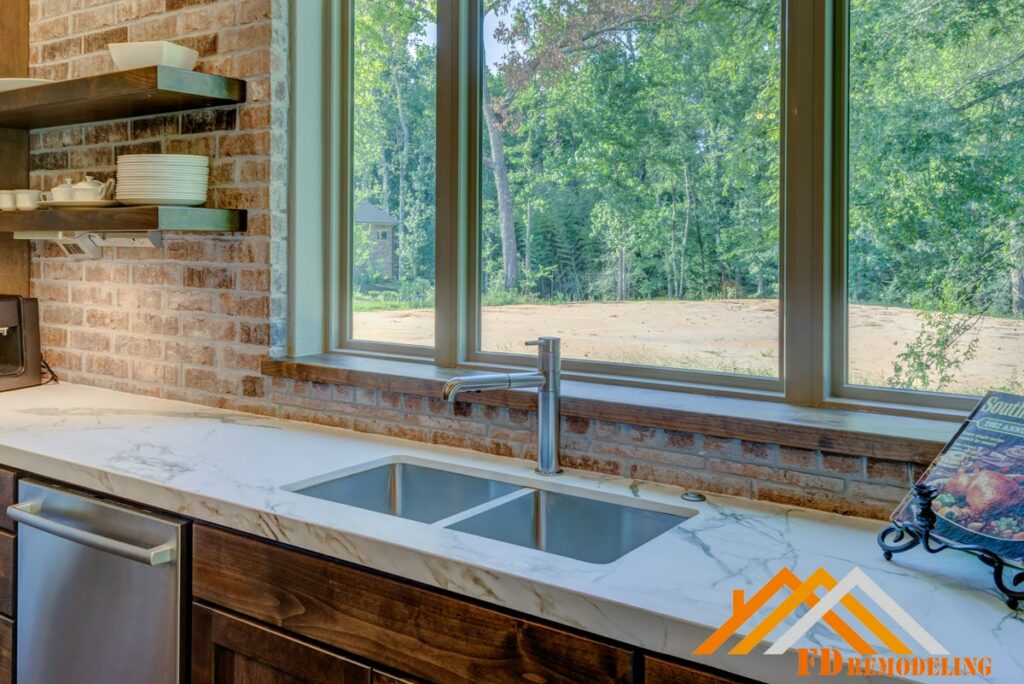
(579, 527)
(585, 529)
(408, 490)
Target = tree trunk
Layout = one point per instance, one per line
(510, 257)
(529, 229)
(623, 275)
(403, 161)
(1017, 270)
(681, 286)
(385, 181)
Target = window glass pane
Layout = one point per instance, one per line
(393, 155)
(630, 181)
(936, 210)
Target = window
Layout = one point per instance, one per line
(392, 167)
(935, 209)
(630, 182)
(817, 203)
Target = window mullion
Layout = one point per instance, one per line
(806, 215)
(453, 77)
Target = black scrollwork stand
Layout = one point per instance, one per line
(905, 536)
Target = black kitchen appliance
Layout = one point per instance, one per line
(20, 356)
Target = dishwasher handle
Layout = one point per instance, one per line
(27, 514)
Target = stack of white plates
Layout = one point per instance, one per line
(178, 179)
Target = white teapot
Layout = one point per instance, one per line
(91, 190)
(60, 193)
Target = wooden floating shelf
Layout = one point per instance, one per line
(124, 220)
(122, 94)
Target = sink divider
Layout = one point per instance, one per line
(485, 506)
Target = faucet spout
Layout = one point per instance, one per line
(489, 381)
(547, 381)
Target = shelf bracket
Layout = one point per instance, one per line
(84, 246)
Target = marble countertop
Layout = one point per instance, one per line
(667, 596)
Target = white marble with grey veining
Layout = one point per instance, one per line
(667, 596)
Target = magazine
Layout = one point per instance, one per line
(979, 478)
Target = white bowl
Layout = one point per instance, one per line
(170, 192)
(163, 168)
(152, 53)
(164, 158)
(157, 192)
(162, 180)
(162, 165)
(171, 201)
(165, 188)
(163, 155)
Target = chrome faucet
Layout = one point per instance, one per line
(547, 378)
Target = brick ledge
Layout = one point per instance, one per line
(899, 438)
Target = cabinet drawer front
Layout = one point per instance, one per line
(403, 627)
(231, 650)
(8, 496)
(385, 678)
(7, 574)
(6, 651)
(666, 672)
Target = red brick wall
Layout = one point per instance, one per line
(827, 481)
(192, 320)
(198, 314)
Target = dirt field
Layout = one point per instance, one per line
(725, 335)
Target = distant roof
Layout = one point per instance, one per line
(371, 213)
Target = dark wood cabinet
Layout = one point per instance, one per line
(232, 650)
(8, 496)
(663, 671)
(7, 574)
(6, 651)
(386, 678)
(404, 628)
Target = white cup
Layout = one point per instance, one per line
(7, 202)
(26, 200)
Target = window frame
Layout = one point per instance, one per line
(843, 392)
(678, 379)
(812, 256)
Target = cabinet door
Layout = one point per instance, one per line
(230, 650)
(8, 495)
(6, 651)
(666, 672)
(402, 627)
(385, 678)
(7, 574)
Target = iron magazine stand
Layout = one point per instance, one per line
(900, 537)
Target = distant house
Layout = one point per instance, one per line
(383, 239)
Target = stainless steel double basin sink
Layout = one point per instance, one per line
(579, 527)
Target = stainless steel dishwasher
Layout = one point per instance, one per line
(100, 590)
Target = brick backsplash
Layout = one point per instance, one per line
(152, 320)
(192, 320)
(839, 483)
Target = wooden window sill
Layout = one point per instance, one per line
(861, 433)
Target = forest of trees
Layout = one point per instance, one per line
(631, 151)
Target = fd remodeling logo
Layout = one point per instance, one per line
(930, 658)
